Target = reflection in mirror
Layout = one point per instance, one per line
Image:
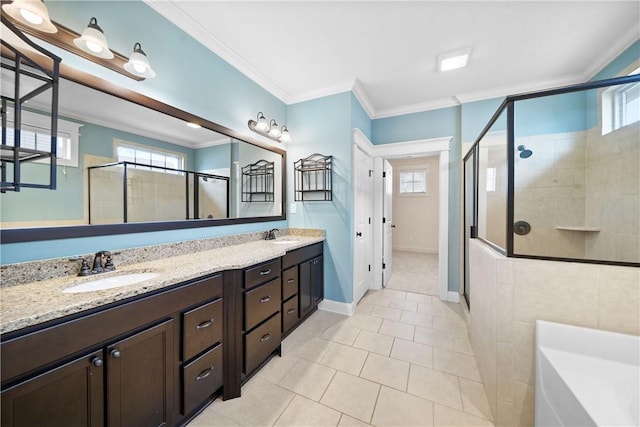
(173, 171)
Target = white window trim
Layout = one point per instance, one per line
(118, 142)
(414, 168)
(43, 122)
(611, 113)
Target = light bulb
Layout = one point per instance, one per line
(93, 46)
(139, 67)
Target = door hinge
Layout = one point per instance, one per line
(384, 265)
(370, 173)
(369, 220)
(384, 220)
(369, 267)
(384, 174)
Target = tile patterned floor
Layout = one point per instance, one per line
(414, 272)
(404, 359)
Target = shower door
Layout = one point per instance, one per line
(469, 216)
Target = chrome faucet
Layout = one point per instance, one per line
(271, 234)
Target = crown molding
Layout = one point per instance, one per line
(175, 15)
(361, 95)
(320, 93)
(417, 108)
(625, 42)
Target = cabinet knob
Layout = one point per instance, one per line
(114, 353)
(96, 361)
(265, 272)
(205, 324)
(265, 337)
(265, 299)
(291, 311)
(204, 374)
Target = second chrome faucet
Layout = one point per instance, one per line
(102, 262)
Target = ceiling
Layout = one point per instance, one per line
(387, 51)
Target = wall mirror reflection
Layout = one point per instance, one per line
(119, 162)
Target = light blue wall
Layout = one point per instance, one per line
(475, 116)
(216, 157)
(622, 61)
(359, 118)
(189, 76)
(324, 126)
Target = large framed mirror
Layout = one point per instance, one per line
(133, 164)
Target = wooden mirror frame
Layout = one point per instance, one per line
(17, 235)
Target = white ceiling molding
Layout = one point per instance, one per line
(320, 93)
(504, 91)
(625, 43)
(417, 108)
(361, 95)
(174, 14)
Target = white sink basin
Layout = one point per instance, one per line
(284, 242)
(586, 377)
(100, 284)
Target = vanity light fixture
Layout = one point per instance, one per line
(270, 130)
(32, 13)
(454, 60)
(193, 125)
(138, 63)
(93, 41)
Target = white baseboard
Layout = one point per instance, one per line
(346, 308)
(413, 249)
(453, 296)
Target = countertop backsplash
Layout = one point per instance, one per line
(33, 271)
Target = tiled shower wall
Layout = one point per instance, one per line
(508, 295)
(613, 194)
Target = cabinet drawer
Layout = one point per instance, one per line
(259, 343)
(202, 378)
(289, 282)
(289, 314)
(261, 302)
(201, 328)
(261, 273)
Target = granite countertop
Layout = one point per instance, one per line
(36, 302)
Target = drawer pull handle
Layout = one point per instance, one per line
(265, 299)
(291, 311)
(204, 374)
(265, 272)
(290, 280)
(265, 337)
(205, 324)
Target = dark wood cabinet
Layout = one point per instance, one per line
(140, 379)
(311, 285)
(70, 395)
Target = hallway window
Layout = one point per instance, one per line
(413, 182)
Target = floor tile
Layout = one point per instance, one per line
(375, 299)
(454, 363)
(462, 344)
(344, 358)
(277, 368)
(417, 319)
(352, 395)
(312, 349)
(404, 305)
(454, 325)
(434, 338)
(474, 399)
(419, 298)
(413, 352)
(396, 408)
(341, 333)
(397, 329)
(443, 416)
(364, 308)
(261, 404)
(364, 321)
(392, 293)
(435, 386)
(386, 313)
(305, 412)
(386, 371)
(308, 379)
(347, 421)
(211, 418)
(319, 322)
(374, 342)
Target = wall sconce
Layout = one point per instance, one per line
(32, 17)
(271, 130)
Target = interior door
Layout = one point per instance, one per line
(363, 186)
(387, 221)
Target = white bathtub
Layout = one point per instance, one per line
(586, 377)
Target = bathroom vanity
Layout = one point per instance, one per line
(156, 352)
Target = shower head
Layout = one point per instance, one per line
(525, 153)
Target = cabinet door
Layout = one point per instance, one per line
(305, 296)
(71, 395)
(317, 280)
(140, 378)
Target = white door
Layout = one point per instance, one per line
(363, 187)
(387, 221)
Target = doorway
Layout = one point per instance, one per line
(415, 214)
